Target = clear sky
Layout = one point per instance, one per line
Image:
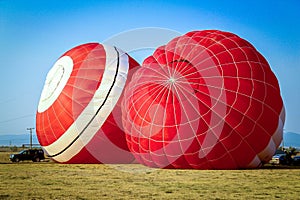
(33, 34)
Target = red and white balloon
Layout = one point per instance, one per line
(78, 117)
(206, 100)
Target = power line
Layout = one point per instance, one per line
(13, 119)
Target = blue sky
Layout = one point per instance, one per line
(33, 34)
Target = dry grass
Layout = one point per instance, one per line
(48, 180)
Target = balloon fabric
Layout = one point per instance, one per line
(78, 117)
(206, 100)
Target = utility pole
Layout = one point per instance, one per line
(30, 129)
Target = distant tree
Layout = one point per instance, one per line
(290, 152)
(14, 148)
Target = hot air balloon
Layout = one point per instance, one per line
(78, 116)
(206, 100)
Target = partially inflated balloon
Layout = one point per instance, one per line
(206, 100)
(78, 118)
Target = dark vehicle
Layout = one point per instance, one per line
(296, 160)
(36, 155)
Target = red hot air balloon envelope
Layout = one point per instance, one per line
(78, 118)
(206, 100)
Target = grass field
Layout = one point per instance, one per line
(48, 180)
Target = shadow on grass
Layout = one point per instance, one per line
(270, 166)
(46, 161)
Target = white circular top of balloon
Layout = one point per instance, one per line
(55, 82)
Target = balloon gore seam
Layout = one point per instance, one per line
(103, 103)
